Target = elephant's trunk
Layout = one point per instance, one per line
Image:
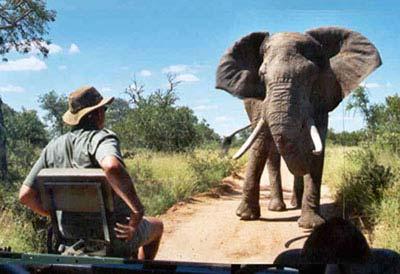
(287, 126)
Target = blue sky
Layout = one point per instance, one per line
(104, 43)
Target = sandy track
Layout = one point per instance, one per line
(206, 229)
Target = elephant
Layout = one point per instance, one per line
(273, 164)
(294, 80)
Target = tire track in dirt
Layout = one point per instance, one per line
(206, 229)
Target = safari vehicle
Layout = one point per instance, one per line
(86, 193)
(104, 41)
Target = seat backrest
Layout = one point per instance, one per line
(83, 194)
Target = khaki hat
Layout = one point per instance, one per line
(81, 102)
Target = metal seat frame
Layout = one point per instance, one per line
(78, 191)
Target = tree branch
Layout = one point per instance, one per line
(12, 23)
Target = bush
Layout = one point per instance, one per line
(22, 229)
(386, 233)
(362, 189)
(209, 168)
(155, 122)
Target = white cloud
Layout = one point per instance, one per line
(54, 48)
(62, 67)
(184, 73)
(11, 89)
(375, 85)
(187, 78)
(24, 64)
(145, 73)
(73, 49)
(222, 119)
(105, 89)
(176, 69)
(204, 107)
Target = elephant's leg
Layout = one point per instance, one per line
(276, 202)
(297, 194)
(310, 209)
(249, 208)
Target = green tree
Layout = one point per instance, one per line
(3, 155)
(346, 138)
(55, 105)
(26, 134)
(117, 112)
(23, 25)
(156, 122)
(382, 119)
(205, 134)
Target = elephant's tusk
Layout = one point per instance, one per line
(249, 140)
(315, 138)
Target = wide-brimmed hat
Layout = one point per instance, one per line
(81, 102)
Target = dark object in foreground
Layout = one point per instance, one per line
(337, 246)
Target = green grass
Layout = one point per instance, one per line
(165, 179)
(368, 179)
(336, 164)
(162, 179)
(387, 229)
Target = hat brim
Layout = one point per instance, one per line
(73, 119)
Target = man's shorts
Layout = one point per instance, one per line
(130, 248)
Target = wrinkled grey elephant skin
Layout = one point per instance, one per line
(293, 80)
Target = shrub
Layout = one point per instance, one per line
(362, 189)
(386, 233)
(209, 168)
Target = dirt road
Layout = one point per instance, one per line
(206, 229)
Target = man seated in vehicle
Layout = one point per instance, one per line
(90, 145)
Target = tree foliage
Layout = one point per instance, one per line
(55, 106)
(23, 25)
(345, 138)
(26, 135)
(382, 119)
(156, 122)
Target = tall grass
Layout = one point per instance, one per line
(387, 229)
(337, 163)
(367, 179)
(164, 179)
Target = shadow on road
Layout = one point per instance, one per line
(285, 219)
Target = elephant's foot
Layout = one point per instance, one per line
(310, 220)
(276, 204)
(248, 212)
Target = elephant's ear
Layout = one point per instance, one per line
(237, 72)
(350, 58)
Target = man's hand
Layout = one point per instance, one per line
(126, 232)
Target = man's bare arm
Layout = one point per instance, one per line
(122, 184)
(30, 197)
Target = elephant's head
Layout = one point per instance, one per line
(299, 77)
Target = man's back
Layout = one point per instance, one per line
(89, 145)
(77, 148)
(81, 148)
